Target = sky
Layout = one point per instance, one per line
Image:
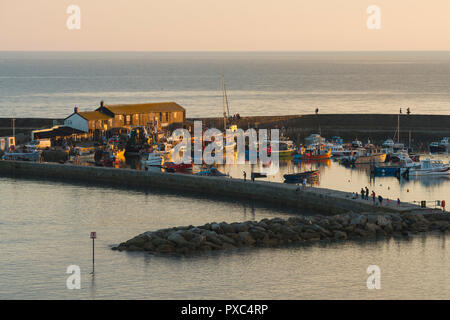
(226, 25)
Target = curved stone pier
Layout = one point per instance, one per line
(282, 194)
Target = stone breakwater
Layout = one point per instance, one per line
(274, 232)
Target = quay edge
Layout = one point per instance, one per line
(318, 200)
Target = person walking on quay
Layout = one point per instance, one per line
(362, 193)
(398, 201)
(373, 197)
(380, 200)
(245, 176)
(367, 193)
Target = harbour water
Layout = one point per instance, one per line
(45, 225)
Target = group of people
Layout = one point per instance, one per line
(365, 196)
(408, 111)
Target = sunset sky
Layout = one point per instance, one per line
(231, 25)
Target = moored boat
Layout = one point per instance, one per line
(427, 167)
(442, 146)
(319, 153)
(301, 175)
(213, 171)
(153, 159)
(22, 156)
(177, 166)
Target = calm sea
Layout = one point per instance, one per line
(44, 84)
(45, 226)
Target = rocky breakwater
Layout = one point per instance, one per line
(276, 232)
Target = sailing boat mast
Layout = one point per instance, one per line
(225, 104)
(398, 128)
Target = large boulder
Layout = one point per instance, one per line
(212, 237)
(371, 227)
(340, 235)
(359, 220)
(239, 227)
(198, 241)
(382, 221)
(245, 238)
(216, 228)
(225, 227)
(178, 239)
(310, 235)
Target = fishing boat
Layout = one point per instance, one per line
(286, 149)
(314, 139)
(177, 166)
(442, 146)
(427, 167)
(213, 171)
(339, 151)
(22, 156)
(301, 175)
(371, 158)
(389, 143)
(153, 159)
(317, 153)
(357, 144)
(255, 175)
(394, 169)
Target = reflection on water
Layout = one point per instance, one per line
(352, 179)
(45, 226)
(339, 177)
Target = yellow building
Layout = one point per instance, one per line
(106, 117)
(159, 114)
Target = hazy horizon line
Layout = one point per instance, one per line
(233, 51)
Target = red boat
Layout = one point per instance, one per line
(179, 166)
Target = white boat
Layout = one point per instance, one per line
(314, 139)
(339, 151)
(23, 156)
(427, 168)
(389, 143)
(442, 146)
(153, 159)
(357, 144)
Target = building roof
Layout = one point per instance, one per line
(94, 115)
(57, 131)
(144, 108)
(91, 115)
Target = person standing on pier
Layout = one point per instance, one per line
(367, 193)
(380, 200)
(362, 193)
(373, 197)
(245, 176)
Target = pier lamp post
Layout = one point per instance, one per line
(14, 128)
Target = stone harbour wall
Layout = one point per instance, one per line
(286, 195)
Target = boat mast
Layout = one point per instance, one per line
(225, 104)
(398, 128)
(14, 128)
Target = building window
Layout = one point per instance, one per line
(167, 116)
